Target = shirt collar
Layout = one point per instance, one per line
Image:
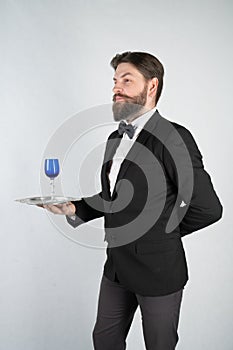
(141, 121)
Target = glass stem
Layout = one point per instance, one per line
(52, 187)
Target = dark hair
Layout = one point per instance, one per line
(148, 65)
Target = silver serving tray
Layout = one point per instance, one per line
(46, 200)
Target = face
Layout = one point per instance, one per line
(130, 93)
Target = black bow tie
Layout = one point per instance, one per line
(128, 128)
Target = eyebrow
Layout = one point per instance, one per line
(123, 75)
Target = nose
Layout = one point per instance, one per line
(117, 88)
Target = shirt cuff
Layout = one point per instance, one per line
(74, 220)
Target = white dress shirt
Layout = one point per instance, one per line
(125, 145)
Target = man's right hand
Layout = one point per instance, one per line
(61, 209)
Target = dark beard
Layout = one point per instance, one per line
(132, 108)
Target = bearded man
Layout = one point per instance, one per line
(155, 190)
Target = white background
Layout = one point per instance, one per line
(54, 63)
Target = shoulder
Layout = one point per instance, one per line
(181, 128)
(177, 136)
(183, 132)
(166, 129)
(180, 140)
(175, 131)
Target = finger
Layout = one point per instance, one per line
(63, 205)
(62, 209)
(52, 208)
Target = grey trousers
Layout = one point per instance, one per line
(116, 308)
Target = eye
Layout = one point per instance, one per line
(127, 80)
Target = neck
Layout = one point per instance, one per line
(144, 110)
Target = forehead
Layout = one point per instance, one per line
(124, 68)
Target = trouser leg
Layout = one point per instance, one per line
(160, 317)
(116, 308)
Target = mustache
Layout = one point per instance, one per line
(120, 95)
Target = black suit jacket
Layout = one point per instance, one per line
(162, 193)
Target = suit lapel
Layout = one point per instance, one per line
(111, 147)
(135, 149)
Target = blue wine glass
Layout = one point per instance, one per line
(51, 168)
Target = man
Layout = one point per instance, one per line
(154, 191)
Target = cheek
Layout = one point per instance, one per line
(132, 91)
(136, 90)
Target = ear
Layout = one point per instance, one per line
(152, 87)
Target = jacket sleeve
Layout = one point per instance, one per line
(204, 207)
(87, 209)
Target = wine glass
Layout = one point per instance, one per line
(51, 168)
